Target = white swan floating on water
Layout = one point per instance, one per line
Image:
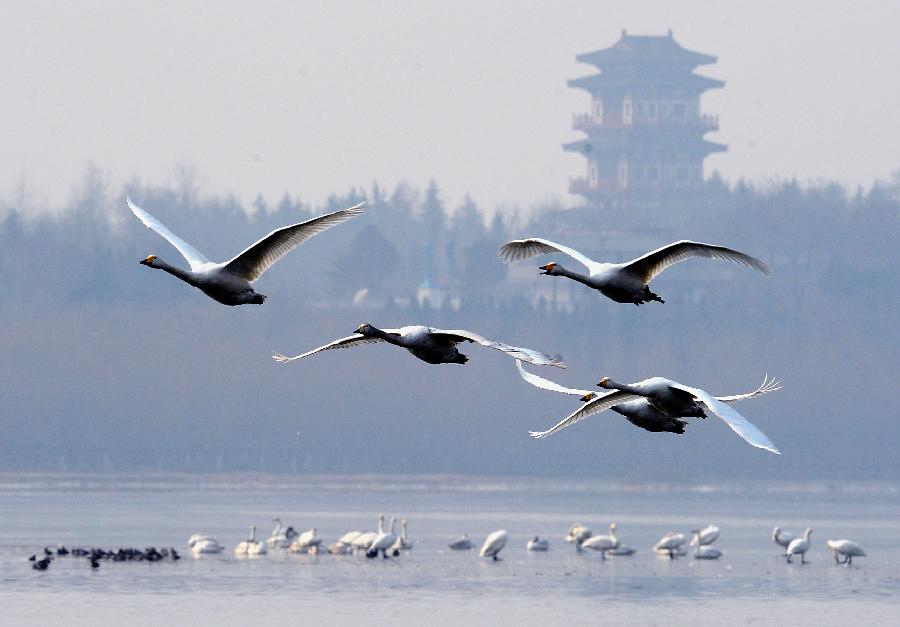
(251, 546)
(537, 543)
(702, 551)
(463, 544)
(201, 544)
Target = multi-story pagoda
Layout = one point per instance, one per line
(644, 130)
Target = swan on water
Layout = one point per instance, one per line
(204, 544)
(363, 541)
(537, 543)
(280, 538)
(230, 282)
(782, 538)
(493, 544)
(671, 544)
(670, 398)
(602, 543)
(403, 543)
(707, 535)
(344, 544)
(463, 544)
(623, 282)
(798, 546)
(578, 533)
(383, 542)
(434, 346)
(848, 548)
(305, 542)
(251, 546)
(702, 550)
(349, 537)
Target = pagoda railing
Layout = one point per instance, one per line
(581, 185)
(587, 122)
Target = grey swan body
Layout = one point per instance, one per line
(623, 282)
(656, 406)
(230, 282)
(434, 346)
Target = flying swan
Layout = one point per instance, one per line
(230, 282)
(435, 346)
(669, 399)
(623, 282)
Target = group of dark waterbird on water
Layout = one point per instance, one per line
(95, 555)
(655, 404)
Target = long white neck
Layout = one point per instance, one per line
(381, 524)
(403, 534)
(252, 533)
(393, 523)
(277, 528)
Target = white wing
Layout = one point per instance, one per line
(601, 403)
(542, 383)
(768, 385)
(194, 257)
(345, 342)
(525, 354)
(740, 425)
(255, 260)
(520, 249)
(654, 262)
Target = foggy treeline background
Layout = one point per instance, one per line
(106, 365)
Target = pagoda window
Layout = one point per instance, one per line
(592, 175)
(598, 110)
(623, 174)
(678, 110)
(651, 110)
(637, 172)
(681, 174)
(627, 114)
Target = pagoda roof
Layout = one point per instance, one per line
(598, 82)
(645, 50)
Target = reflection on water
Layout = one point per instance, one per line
(751, 581)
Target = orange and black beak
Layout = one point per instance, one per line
(148, 261)
(547, 268)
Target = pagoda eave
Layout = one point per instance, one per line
(645, 50)
(599, 82)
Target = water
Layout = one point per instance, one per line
(431, 584)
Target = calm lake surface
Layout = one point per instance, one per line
(431, 584)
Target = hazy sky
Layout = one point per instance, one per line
(314, 97)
